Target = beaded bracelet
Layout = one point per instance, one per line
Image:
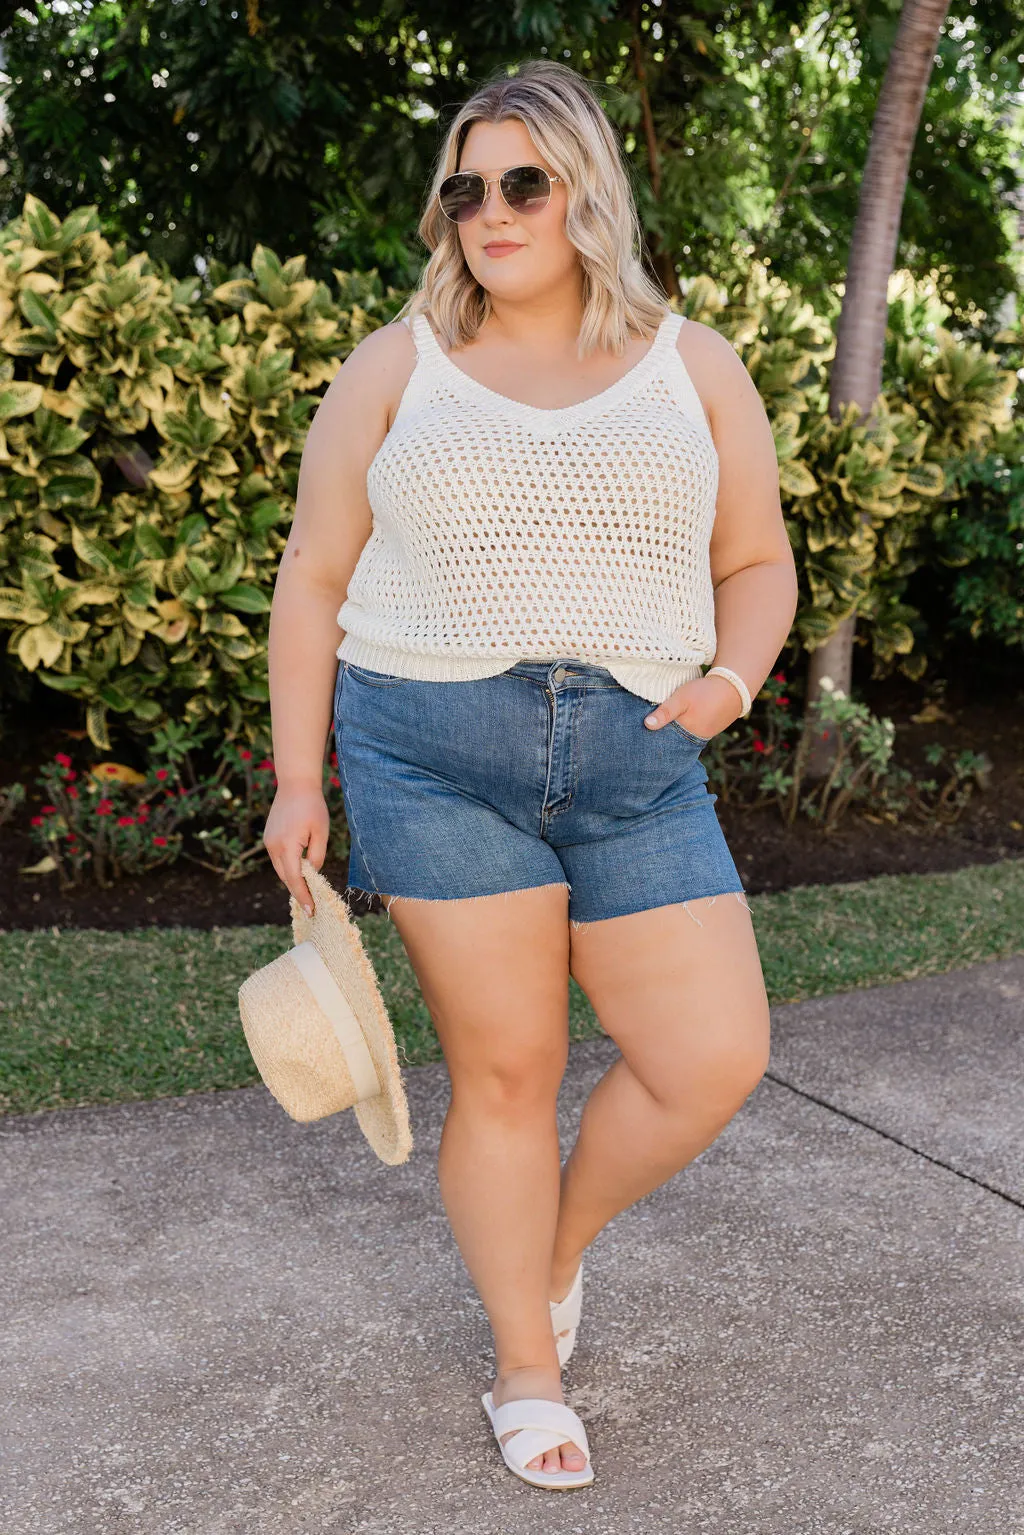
(737, 682)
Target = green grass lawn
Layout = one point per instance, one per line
(96, 1017)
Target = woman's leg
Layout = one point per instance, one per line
(494, 974)
(681, 992)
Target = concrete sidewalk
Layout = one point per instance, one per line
(216, 1320)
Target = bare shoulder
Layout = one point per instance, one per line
(388, 346)
(374, 374)
(719, 374)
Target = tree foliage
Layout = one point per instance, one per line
(202, 128)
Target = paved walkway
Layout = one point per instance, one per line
(215, 1320)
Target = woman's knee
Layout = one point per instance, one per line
(511, 1083)
(721, 1073)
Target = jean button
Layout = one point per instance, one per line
(558, 675)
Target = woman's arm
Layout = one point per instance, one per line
(331, 526)
(752, 566)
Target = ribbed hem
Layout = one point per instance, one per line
(651, 680)
(420, 668)
(654, 680)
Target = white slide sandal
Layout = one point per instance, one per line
(542, 1426)
(565, 1317)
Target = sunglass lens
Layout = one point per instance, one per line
(462, 196)
(526, 188)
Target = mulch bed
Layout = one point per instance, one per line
(770, 855)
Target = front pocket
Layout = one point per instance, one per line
(689, 735)
(374, 679)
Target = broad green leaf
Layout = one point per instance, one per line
(246, 599)
(19, 399)
(37, 311)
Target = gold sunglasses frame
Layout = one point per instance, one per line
(490, 181)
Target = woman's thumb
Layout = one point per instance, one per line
(316, 852)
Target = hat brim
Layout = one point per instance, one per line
(384, 1120)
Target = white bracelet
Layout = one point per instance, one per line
(737, 682)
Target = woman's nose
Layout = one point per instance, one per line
(494, 203)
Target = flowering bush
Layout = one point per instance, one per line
(766, 763)
(113, 820)
(863, 750)
(749, 762)
(237, 797)
(237, 804)
(863, 770)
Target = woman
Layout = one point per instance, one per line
(544, 502)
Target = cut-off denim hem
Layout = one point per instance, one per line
(578, 927)
(543, 775)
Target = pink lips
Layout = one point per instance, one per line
(502, 248)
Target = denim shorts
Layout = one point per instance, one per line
(542, 774)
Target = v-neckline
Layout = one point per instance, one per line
(546, 413)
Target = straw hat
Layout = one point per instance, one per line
(318, 1029)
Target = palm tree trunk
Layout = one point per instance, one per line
(860, 336)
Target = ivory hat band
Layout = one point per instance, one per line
(333, 1004)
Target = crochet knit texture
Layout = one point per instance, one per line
(505, 532)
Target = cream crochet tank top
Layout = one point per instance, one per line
(505, 532)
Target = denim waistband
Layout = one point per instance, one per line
(571, 667)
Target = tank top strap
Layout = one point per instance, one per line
(677, 374)
(668, 334)
(428, 347)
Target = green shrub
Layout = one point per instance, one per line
(980, 535)
(151, 430)
(150, 438)
(763, 761)
(859, 501)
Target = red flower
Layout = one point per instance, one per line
(125, 820)
(104, 807)
(759, 746)
(335, 781)
(37, 820)
(72, 793)
(824, 735)
(782, 702)
(161, 774)
(49, 810)
(63, 759)
(245, 754)
(779, 677)
(266, 766)
(159, 841)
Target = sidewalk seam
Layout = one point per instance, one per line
(855, 1119)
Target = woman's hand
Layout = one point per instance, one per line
(298, 820)
(704, 707)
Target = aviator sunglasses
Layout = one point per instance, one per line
(524, 188)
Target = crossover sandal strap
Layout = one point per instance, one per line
(565, 1313)
(544, 1425)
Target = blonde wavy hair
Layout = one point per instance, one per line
(568, 126)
